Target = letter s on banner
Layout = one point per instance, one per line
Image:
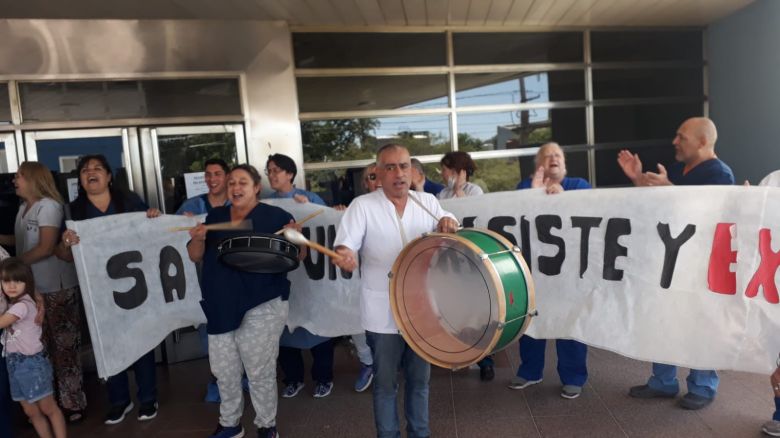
(117, 268)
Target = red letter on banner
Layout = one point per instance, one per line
(765, 275)
(720, 279)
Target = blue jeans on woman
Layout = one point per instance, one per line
(700, 382)
(390, 353)
(145, 378)
(572, 360)
(5, 400)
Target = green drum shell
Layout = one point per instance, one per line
(515, 279)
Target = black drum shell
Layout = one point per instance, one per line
(259, 253)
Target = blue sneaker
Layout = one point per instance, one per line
(365, 378)
(323, 389)
(212, 393)
(245, 383)
(228, 432)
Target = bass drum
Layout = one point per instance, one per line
(457, 298)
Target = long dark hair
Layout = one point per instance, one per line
(78, 208)
(13, 269)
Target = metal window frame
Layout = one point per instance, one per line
(12, 161)
(129, 143)
(589, 103)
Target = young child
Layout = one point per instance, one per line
(29, 370)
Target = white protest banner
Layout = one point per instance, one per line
(137, 282)
(679, 275)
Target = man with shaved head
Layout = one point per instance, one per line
(696, 164)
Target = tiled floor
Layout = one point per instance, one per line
(462, 406)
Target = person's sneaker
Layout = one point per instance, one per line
(365, 378)
(645, 391)
(292, 389)
(117, 413)
(212, 393)
(771, 428)
(486, 373)
(694, 402)
(267, 432)
(323, 389)
(521, 383)
(571, 391)
(147, 411)
(228, 432)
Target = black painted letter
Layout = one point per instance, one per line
(117, 268)
(169, 256)
(550, 265)
(585, 223)
(672, 249)
(616, 227)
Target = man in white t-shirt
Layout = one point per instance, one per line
(377, 226)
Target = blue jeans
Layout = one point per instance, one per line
(776, 416)
(572, 360)
(700, 382)
(390, 353)
(5, 401)
(145, 378)
(487, 361)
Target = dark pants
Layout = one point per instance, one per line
(776, 416)
(5, 400)
(391, 353)
(572, 358)
(145, 378)
(291, 362)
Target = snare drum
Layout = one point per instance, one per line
(259, 253)
(457, 298)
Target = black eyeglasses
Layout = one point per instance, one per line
(372, 176)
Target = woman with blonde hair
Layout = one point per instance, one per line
(36, 234)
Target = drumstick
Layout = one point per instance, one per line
(245, 224)
(299, 239)
(417, 201)
(311, 216)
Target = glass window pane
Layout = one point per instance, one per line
(186, 153)
(192, 97)
(336, 186)
(513, 88)
(608, 173)
(517, 48)
(354, 139)
(333, 50)
(372, 92)
(64, 101)
(5, 104)
(652, 82)
(641, 122)
(684, 45)
(517, 129)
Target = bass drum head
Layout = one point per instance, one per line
(446, 300)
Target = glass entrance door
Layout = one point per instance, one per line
(60, 151)
(178, 154)
(174, 159)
